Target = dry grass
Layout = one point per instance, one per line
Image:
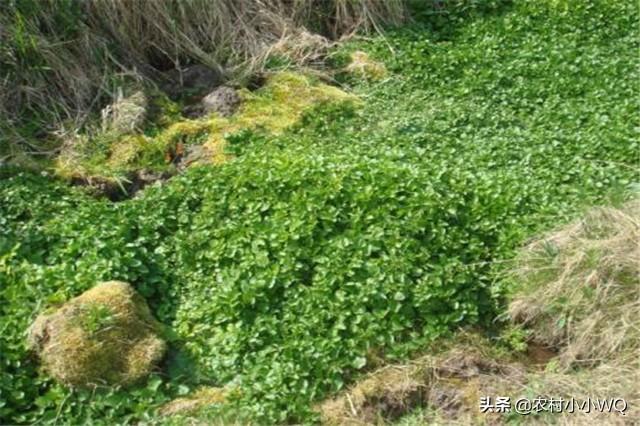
(125, 115)
(581, 287)
(447, 382)
(62, 61)
(387, 393)
(581, 294)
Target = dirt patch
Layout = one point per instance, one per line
(449, 384)
(540, 355)
(465, 366)
(446, 399)
(395, 400)
(192, 155)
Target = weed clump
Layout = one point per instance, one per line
(106, 336)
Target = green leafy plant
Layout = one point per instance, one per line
(515, 338)
(355, 232)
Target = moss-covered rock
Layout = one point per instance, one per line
(106, 336)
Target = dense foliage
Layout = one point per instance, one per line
(361, 231)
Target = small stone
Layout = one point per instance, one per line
(224, 101)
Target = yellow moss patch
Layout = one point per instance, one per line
(106, 336)
(182, 130)
(278, 105)
(363, 66)
(126, 151)
(98, 159)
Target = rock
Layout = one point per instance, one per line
(201, 77)
(105, 336)
(125, 115)
(224, 100)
